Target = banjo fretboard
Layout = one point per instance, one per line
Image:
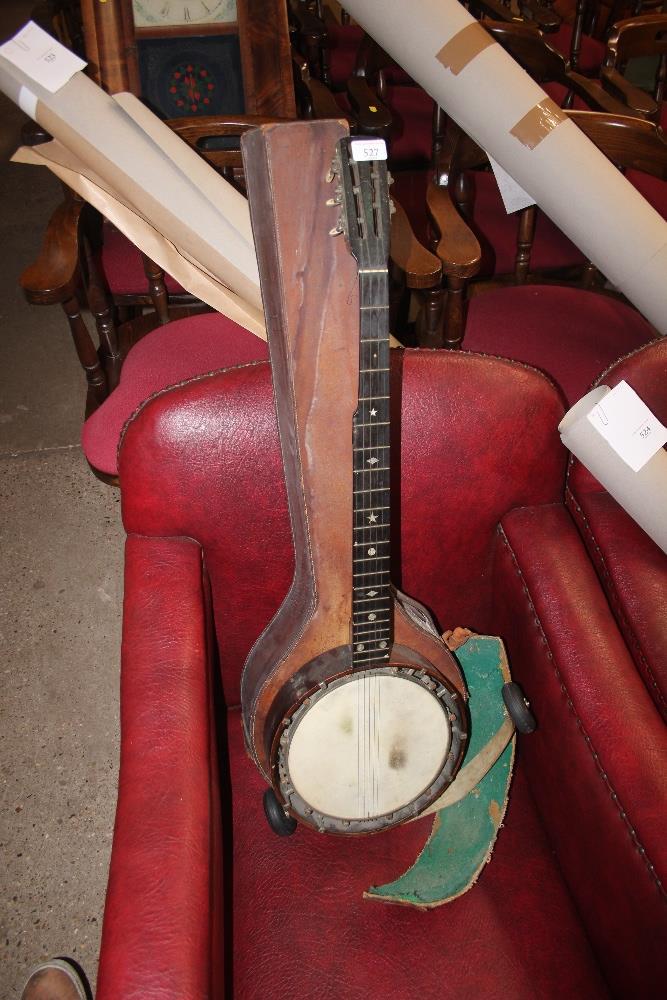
(371, 595)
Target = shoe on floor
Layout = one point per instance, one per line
(54, 980)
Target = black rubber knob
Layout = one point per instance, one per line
(518, 708)
(277, 818)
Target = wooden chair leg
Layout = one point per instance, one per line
(527, 220)
(87, 354)
(157, 289)
(456, 306)
(431, 318)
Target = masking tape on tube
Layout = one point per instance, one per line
(536, 125)
(463, 47)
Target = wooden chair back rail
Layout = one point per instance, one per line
(546, 65)
(645, 35)
(628, 142)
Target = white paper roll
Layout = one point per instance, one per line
(642, 494)
(489, 95)
(208, 222)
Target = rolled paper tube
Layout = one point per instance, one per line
(206, 219)
(445, 50)
(642, 494)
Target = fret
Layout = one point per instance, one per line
(372, 398)
(364, 371)
(373, 307)
(366, 510)
(371, 447)
(378, 572)
(373, 489)
(362, 545)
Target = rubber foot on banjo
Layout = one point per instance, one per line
(281, 824)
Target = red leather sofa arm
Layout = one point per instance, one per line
(163, 935)
(596, 764)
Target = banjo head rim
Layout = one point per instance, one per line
(453, 705)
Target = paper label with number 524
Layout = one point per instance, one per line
(626, 423)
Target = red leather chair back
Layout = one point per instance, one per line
(474, 437)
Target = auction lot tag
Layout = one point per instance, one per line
(44, 59)
(368, 149)
(626, 423)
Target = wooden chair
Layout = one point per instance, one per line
(86, 262)
(638, 37)
(329, 44)
(581, 35)
(570, 332)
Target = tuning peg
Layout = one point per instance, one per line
(337, 230)
(333, 170)
(392, 207)
(390, 179)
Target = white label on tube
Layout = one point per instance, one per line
(368, 149)
(514, 197)
(626, 423)
(41, 57)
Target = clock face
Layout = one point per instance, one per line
(153, 13)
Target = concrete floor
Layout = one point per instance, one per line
(60, 609)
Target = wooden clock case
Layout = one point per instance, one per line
(246, 65)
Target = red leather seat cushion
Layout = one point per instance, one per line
(166, 356)
(569, 333)
(123, 267)
(653, 188)
(343, 42)
(591, 53)
(497, 233)
(411, 137)
(301, 927)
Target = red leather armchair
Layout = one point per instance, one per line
(204, 900)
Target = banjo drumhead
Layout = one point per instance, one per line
(368, 746)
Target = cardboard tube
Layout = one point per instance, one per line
(210, 227)
(642, 494)
(568, 176)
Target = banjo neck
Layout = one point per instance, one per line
(372, 602)
(365, 220)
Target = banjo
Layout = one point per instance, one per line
(353, 707)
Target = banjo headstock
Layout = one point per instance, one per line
(361, 167)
